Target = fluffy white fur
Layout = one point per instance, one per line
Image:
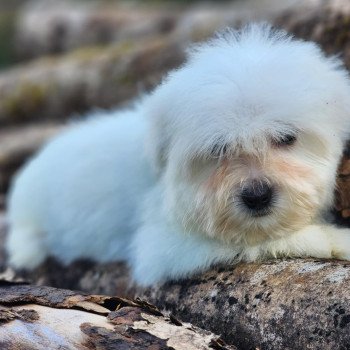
(160, 185)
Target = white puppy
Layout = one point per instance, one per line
(242, 147)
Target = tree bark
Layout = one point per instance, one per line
(282, 304)
(105, 76)
(342, 204)
(48, 318)
(49, 28)
(278, 304)
(326, 22)
(57, 87)
(44, 28)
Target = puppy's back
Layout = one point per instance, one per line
(79, 195)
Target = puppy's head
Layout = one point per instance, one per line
(247, 135)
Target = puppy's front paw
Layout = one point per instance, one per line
(341, 244)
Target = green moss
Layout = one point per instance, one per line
(125, 79)
(89, 53)
(25, 100)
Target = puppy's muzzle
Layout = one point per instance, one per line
(257, 196)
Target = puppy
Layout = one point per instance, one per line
(232, 158)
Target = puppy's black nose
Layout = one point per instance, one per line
(257, 196)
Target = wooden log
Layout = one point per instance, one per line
(104, 76)
(342, 205)
(98, 77)
(278, 304)
(327, 22)
(282, 304)
(43, 28)
(49, 318)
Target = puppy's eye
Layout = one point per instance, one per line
(285, 140)
(219, 150)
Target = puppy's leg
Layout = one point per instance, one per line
(26, 247)
(319, 241)
(160, 252)
(340, 241)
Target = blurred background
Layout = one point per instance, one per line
(61, 59)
